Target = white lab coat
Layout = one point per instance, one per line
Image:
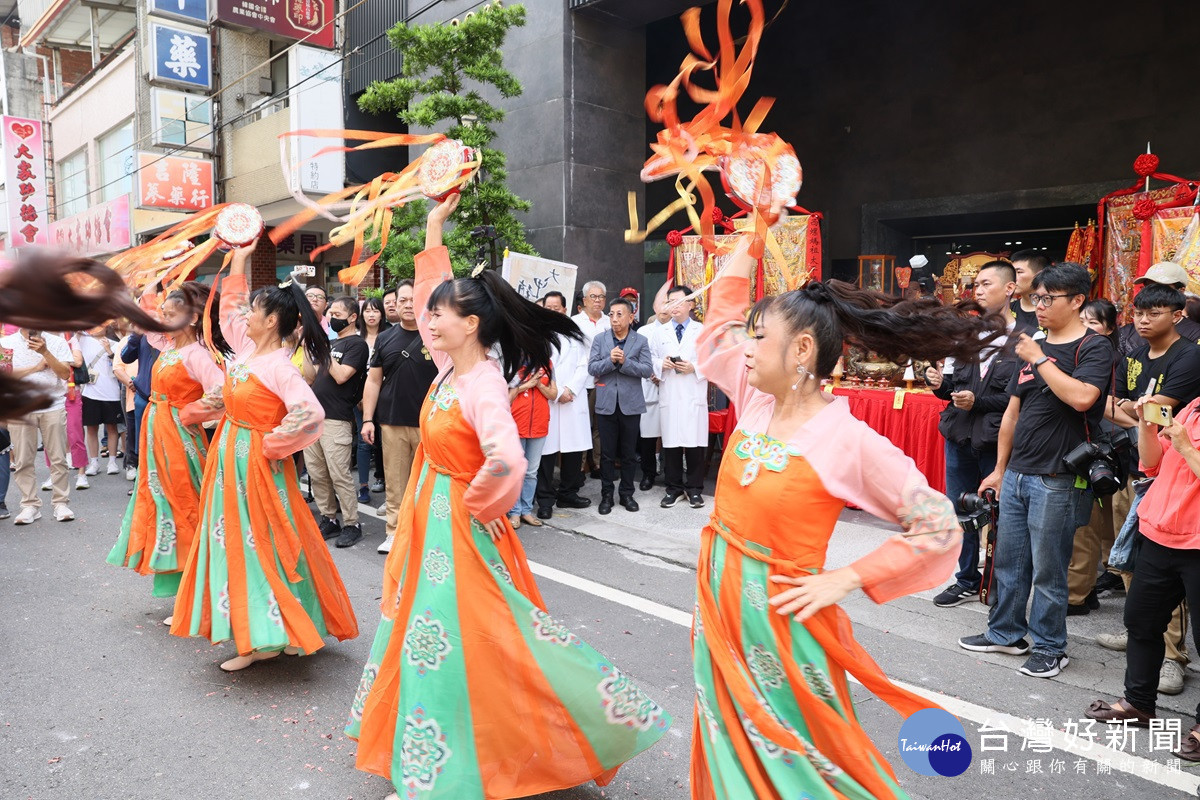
(570, 427)
(590, 329)
(650, 425)
(682, 399)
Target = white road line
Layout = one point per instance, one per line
(996, 721)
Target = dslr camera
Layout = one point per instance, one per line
(978, 510)
(1101, 464)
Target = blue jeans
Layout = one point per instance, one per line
(4, 477)
(966, 467)
(1123, 555)
(1034, 539)
(533, 454)
(132, 442)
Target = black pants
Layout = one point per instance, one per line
(693, 482)
(570, 478)
(1162, 578)
(618, 441)
(647, 450)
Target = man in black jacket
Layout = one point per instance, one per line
(978, 395)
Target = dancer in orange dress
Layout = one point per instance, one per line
(774, 717)
(472, 690)
(259, 572)
(160, 521)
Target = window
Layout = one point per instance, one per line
(71, 184)
(117, 162)
(182, 120)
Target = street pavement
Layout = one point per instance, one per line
(101, 702)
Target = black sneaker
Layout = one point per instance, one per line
(351, 535)
(1109, 583)
(1040, 665)
(672, 497)
(4, 511)
(955, 595)
(696, 500)
(330, 528)
(982, 644)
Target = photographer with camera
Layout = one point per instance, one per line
(1168, 565)
(1048, 453)
(978, 395)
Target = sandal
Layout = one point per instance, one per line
(1122, 710)
(530, 519)
(1190, 749)
(514, 521)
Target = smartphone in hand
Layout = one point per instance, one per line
(1157, 413)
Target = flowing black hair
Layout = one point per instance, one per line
(923, 329)
(525, 331)
(377, 304)
(194, 296)
(292, 308)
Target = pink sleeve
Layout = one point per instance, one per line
(432, 269)
(305, 418)
(866, 469)
(159, 341)
(721, 348)
(200, 365)
(485, 406)
(235, 305)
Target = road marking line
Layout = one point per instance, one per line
(996, 720)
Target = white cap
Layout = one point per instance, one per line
(916, 262)
(1165, 272)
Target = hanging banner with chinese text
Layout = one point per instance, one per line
(292, 19)
(532, 277)
(174, 183)
(180, 56)
(25, 182)
(100, 230)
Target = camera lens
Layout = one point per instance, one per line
(1102, 479)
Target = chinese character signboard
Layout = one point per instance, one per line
(532, 277)
(173, 183)
(315, 78)
(25, 182)
(293, 19)
(180, 55)
(100, 230)
(298, 247)
(195, 11)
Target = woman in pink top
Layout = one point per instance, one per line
(773, 716)
(1167, 570)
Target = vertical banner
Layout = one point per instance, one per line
(694, 267)
(315, 97)
(25, 182)
(532, 277)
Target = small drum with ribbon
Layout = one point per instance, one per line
(744, 174)
(238, 225)
(445, 167)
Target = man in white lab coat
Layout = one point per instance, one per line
(651, 425)
(592, 320)
(570, 433)
(682, 400)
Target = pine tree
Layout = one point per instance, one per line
(443, 68)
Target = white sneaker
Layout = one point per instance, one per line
(93, 467)
(48, 485)
(1113, 641)
(113, 469)
(386, 547)
(82, 482)
(1170, 677)
(63, 514)
(27, 516)
(131, 473)
(381, 511)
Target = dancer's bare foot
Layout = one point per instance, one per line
(241, 662)
(292, 650)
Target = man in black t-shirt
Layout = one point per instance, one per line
(1057, 399)
(401, 373)
(1027, 264)
(1164, 273)
(339, 389)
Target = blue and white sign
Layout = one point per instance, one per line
(180, 56)
(190, 10)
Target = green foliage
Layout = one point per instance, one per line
(441, 63)
(367, 294)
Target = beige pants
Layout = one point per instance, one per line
(53, 427)
(328, 464)
(399, 448)
(1093, 542)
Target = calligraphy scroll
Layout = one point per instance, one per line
(532, 276)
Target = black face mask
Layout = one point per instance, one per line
(338, 325)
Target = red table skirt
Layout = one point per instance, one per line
(913, 428)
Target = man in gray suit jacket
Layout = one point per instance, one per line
(620, 359)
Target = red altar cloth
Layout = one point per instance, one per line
(913, 428)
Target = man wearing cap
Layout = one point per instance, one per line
(1166, 273)
(631, 294)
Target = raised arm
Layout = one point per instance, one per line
(235, 302)
(149, 301)
(485, 407)
(433, 268)
(720, 350)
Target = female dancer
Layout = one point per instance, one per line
(372, 321)
(472, 690)
(259, 572)
(773, 710)
(160, 521)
